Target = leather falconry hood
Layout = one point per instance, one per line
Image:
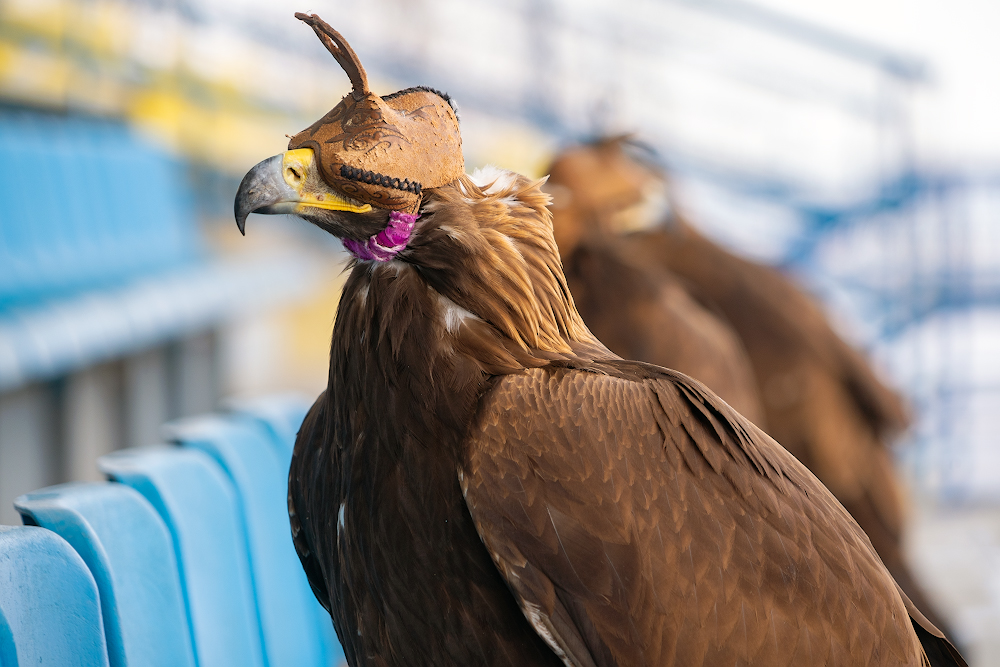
(382, 151)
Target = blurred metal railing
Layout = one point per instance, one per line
(110, 302)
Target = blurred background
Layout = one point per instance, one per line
(854, 144)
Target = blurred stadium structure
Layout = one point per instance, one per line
(117, 310)
(126, 297)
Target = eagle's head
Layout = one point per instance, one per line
(471, 257)
(608, 186)
(361, 169)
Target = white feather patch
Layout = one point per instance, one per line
(453, 314)
(340, 519)
(498, 179)
(540, 622)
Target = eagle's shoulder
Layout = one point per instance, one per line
(303, 487)
(567, 410)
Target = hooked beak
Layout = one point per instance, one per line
(288, 183)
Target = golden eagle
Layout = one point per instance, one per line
(640, 310)
(484, 483)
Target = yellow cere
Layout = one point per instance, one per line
(295, 166)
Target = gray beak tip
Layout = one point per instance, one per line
(261, 189)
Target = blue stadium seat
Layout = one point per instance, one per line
(131, 556)
(296, 629)
(282, 414)
(200, 508)
(49, 608)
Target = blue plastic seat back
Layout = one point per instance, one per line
(199, 506)
(281, 414)
(50, 613)
(296, 629)
(129, 551)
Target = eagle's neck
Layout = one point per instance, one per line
(478, 292)
(392, 371)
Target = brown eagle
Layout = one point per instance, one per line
(640, 310)
(821, 399)
(484, 483)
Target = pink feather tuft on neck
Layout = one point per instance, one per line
(388, 243)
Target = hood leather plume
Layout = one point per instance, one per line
(383, 151)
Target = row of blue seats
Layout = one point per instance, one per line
(183, 559)
(87, 204)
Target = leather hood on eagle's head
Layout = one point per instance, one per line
(382, 151)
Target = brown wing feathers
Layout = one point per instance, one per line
(671, 532)
(821, 398)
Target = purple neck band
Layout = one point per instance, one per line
(388, 243)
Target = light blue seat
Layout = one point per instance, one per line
(296, 629)
(199, 506)
(282, 414)
(49, 608)
(126, 545)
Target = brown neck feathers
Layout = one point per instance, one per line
(478, 292)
